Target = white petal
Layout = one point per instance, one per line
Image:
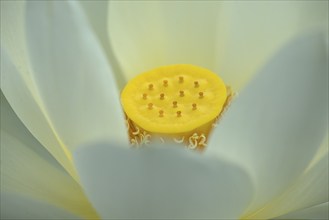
(145, 35)
(28, 169)
(316, 212)
(250, 32)
(276, 124)
(15, 206)
(161, 183)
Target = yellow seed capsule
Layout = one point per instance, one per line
(160, 116)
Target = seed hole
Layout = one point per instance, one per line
(161, 113)
(196, 84)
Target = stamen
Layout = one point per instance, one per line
(181, 79)
(174, 103)
(200, 95)
(194, 106)
(181, 93)
(162, 96)
(151, 86)
(150, 105)
(144, 96)
(165, 83)
(179, 113)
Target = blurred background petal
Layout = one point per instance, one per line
(277, 123)
(308, 190)
(317, 212)
(14, 206)
(161, 183)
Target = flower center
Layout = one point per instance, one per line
(178, 101)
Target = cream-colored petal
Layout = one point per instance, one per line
(148, 34)
(61, 85)
(278, 121)
(27, 169)
(250, 32)
(161, 183)
(318, 212)
(17, 206)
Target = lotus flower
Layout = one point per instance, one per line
(64, 146)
